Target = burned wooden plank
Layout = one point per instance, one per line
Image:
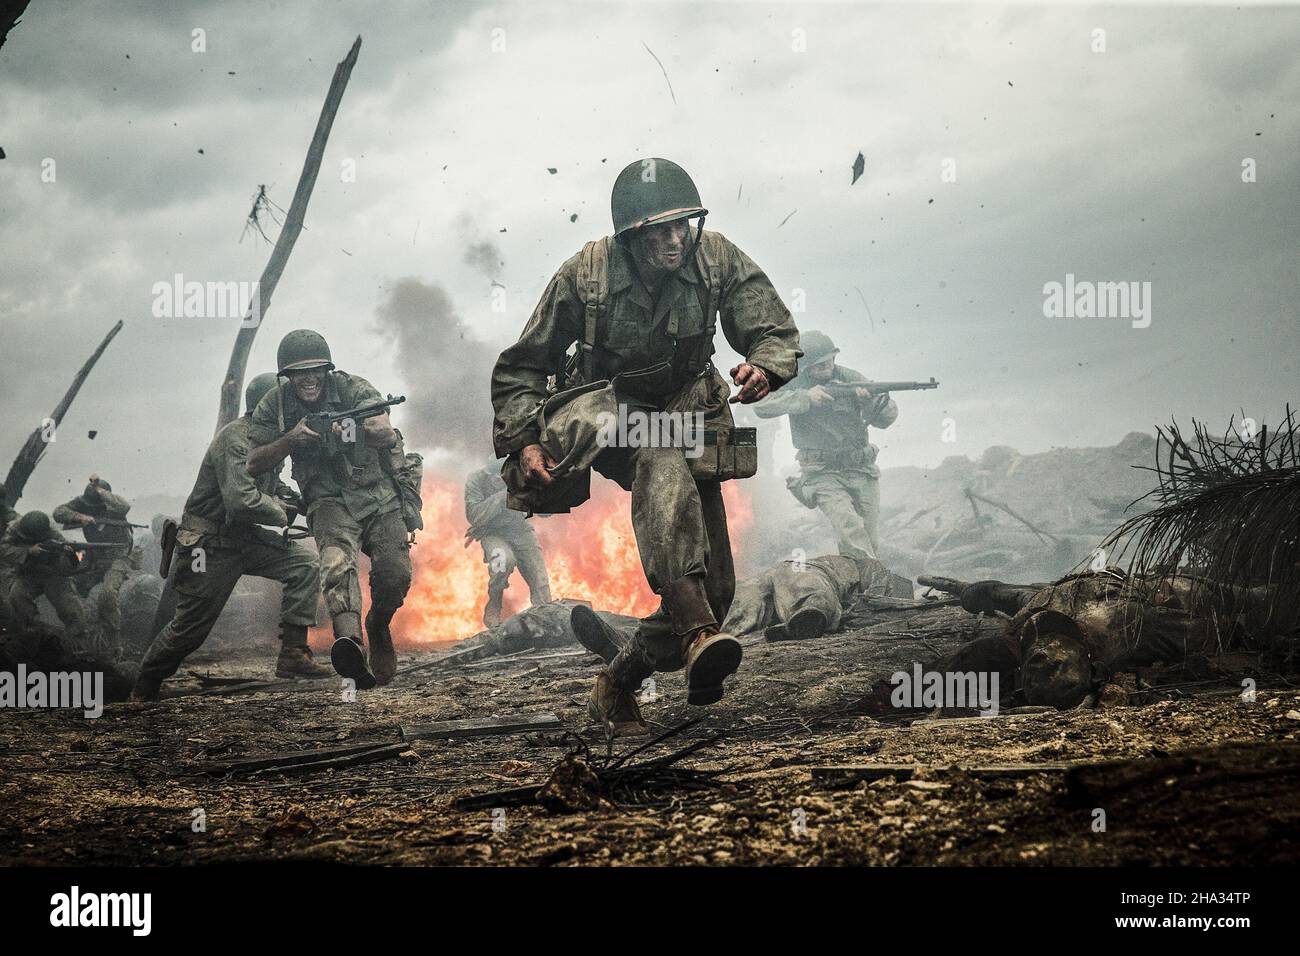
(289, 759)
(349, 760)
(481, 726)
(844, 774)
(511, 797)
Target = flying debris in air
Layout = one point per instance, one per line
(859, 167)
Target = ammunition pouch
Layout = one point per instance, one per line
(727, 453)
(837, 457)
(406, 469)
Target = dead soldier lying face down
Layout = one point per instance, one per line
(642, 307)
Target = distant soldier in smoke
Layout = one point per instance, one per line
(642, 307)
(352, 507)
(37, 562)
(507, 540)
(219, 540)
(838, 473)
(101, 516)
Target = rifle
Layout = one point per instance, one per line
(49, 552)
(353, 446)
(105, 523)
(850, 389)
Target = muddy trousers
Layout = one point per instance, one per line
(850, 500)
(681, 534)
(205, 576)
(502, 554)
(342, 539)
(24, 589)
(796, 587)
(104, 598)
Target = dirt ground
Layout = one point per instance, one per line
(1195, 776)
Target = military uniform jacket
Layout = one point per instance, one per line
(635, 329)
(833, 431)
(108, 505)
(226, 495)
(321, 470)
(485, 506)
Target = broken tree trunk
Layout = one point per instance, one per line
(1042, 535)
(9, 19)
(38, 441)
(233, 383)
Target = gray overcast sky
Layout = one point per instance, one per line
(1122, 165)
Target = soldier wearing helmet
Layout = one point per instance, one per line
(349, 510)
(640, 309)
(102, 517)
(221, 538)
(35, 566)
(838, 474)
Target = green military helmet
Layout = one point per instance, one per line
(35, 526)
(817, 348)
(303, 348)
(258, 386)
(651, 191)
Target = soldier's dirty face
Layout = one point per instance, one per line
(308, 384)
(662, 247)
(822, 371)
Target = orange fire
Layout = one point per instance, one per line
(591, 555)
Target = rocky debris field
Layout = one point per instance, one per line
(783, 771)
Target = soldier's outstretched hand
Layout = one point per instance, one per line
(536, 465)
(752, 381)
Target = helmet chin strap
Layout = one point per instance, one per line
(699, 234)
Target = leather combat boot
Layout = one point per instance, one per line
(711, 656)
(805, 623)
(295, 658)
(347, 654)
(383, 658)
(613, 697)
(710, 653)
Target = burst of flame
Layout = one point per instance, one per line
(590, 553)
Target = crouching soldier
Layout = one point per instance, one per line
(219, 541)
(642, 307)
(354, 497)
(38, 561)
(101, 516)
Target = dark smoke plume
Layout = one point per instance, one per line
(485, 257)
(446, 370)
